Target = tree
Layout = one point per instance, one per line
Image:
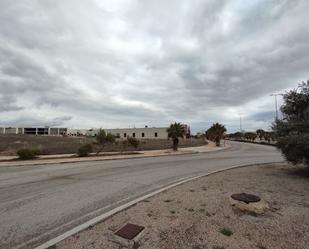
(267, 136)
(260, 133)
(236, 135)
(176, 131)
(292, 132)
(215, 133)
(250, 136)
(104, 138)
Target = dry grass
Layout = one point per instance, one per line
(49, 145)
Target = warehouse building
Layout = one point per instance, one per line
(33, 131)
(77, 132)
(139, 133)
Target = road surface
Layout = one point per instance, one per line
(38, 203)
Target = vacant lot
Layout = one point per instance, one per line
(63, 145)
(198, 215)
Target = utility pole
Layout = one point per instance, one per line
(240, 124)
(276, 103)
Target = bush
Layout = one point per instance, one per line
(133, 142)
(26, 154)
(104, 138)
(226, 232)
(84, 150)
(292, 131)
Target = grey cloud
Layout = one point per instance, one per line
(109, 63)
(59, 121)
(7, 103)
(36, 120)
(263, 116)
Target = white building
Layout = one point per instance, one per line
(139, 133)
(33, 131)
(77, 132)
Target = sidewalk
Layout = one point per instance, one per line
(70, 158)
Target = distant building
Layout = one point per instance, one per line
(77, 132)
(139, 133)
(33, 131)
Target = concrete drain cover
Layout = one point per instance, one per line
(247, 198)
(128, 235)
(249, 203)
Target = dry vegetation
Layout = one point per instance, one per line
(9, 144)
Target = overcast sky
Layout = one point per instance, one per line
(126, 63)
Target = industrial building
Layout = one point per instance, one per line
(139, 133)
(33, 131)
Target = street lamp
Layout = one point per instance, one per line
(276, 102)
(240, 124)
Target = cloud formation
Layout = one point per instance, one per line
(130, 62)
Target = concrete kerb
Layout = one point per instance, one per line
(110, 213)
(218, 149)
(69, 156)
(99, 159)
(37, 162)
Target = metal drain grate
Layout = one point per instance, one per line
(247, 198)
(129, 231)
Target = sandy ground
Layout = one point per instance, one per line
(193, 215)
(67, 158)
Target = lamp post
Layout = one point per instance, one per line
(240, 124)
(276, 102)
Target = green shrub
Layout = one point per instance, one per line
(226, 232)
(104, 138)
(84, 150)
(27, 153)
(261, 246)
(292, 131)
(133, 142)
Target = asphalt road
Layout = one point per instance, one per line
(38, 203)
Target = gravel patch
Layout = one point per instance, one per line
(198, 214)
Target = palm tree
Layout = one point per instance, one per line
(215, 133)
(176, 131)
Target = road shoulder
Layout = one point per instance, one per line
(193, 215)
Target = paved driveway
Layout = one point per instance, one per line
(38, 203)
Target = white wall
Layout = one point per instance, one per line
(149, 133)
(75, 132)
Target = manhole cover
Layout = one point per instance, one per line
(129, 231)
(247, 198)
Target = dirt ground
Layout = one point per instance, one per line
(194, 215)
(49, 145)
